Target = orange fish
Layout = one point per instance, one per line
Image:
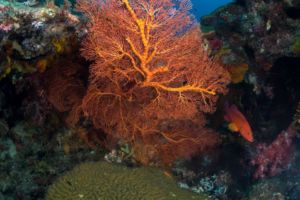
(238, 122)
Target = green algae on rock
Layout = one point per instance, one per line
(105, 181)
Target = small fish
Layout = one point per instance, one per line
(238, 122)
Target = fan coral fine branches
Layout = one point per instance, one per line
(65, 89)
(150, 76)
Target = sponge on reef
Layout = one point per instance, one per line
(105, 181)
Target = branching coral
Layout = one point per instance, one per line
(151, 76)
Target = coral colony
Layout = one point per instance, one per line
(276, 157)
(148, 99)
(141, 86)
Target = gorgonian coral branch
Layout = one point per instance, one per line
(149, 59)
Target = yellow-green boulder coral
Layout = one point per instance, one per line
(105, 181)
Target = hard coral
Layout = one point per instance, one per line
(100, 180)
(150, 76)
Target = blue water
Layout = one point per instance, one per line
(205, 7)
(200, 7)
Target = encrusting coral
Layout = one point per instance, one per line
(101, 180)
(150, 77)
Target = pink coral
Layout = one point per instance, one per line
(276, 157)
(6, 27)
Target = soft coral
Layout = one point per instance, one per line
(150, 74)
(276, 157)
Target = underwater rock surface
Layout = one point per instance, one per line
(264, 30)
(33, 37)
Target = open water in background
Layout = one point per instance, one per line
(205, 7)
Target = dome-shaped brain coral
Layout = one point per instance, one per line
(105, 181)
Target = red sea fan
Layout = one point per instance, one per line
(149, 68)
(65, 89)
